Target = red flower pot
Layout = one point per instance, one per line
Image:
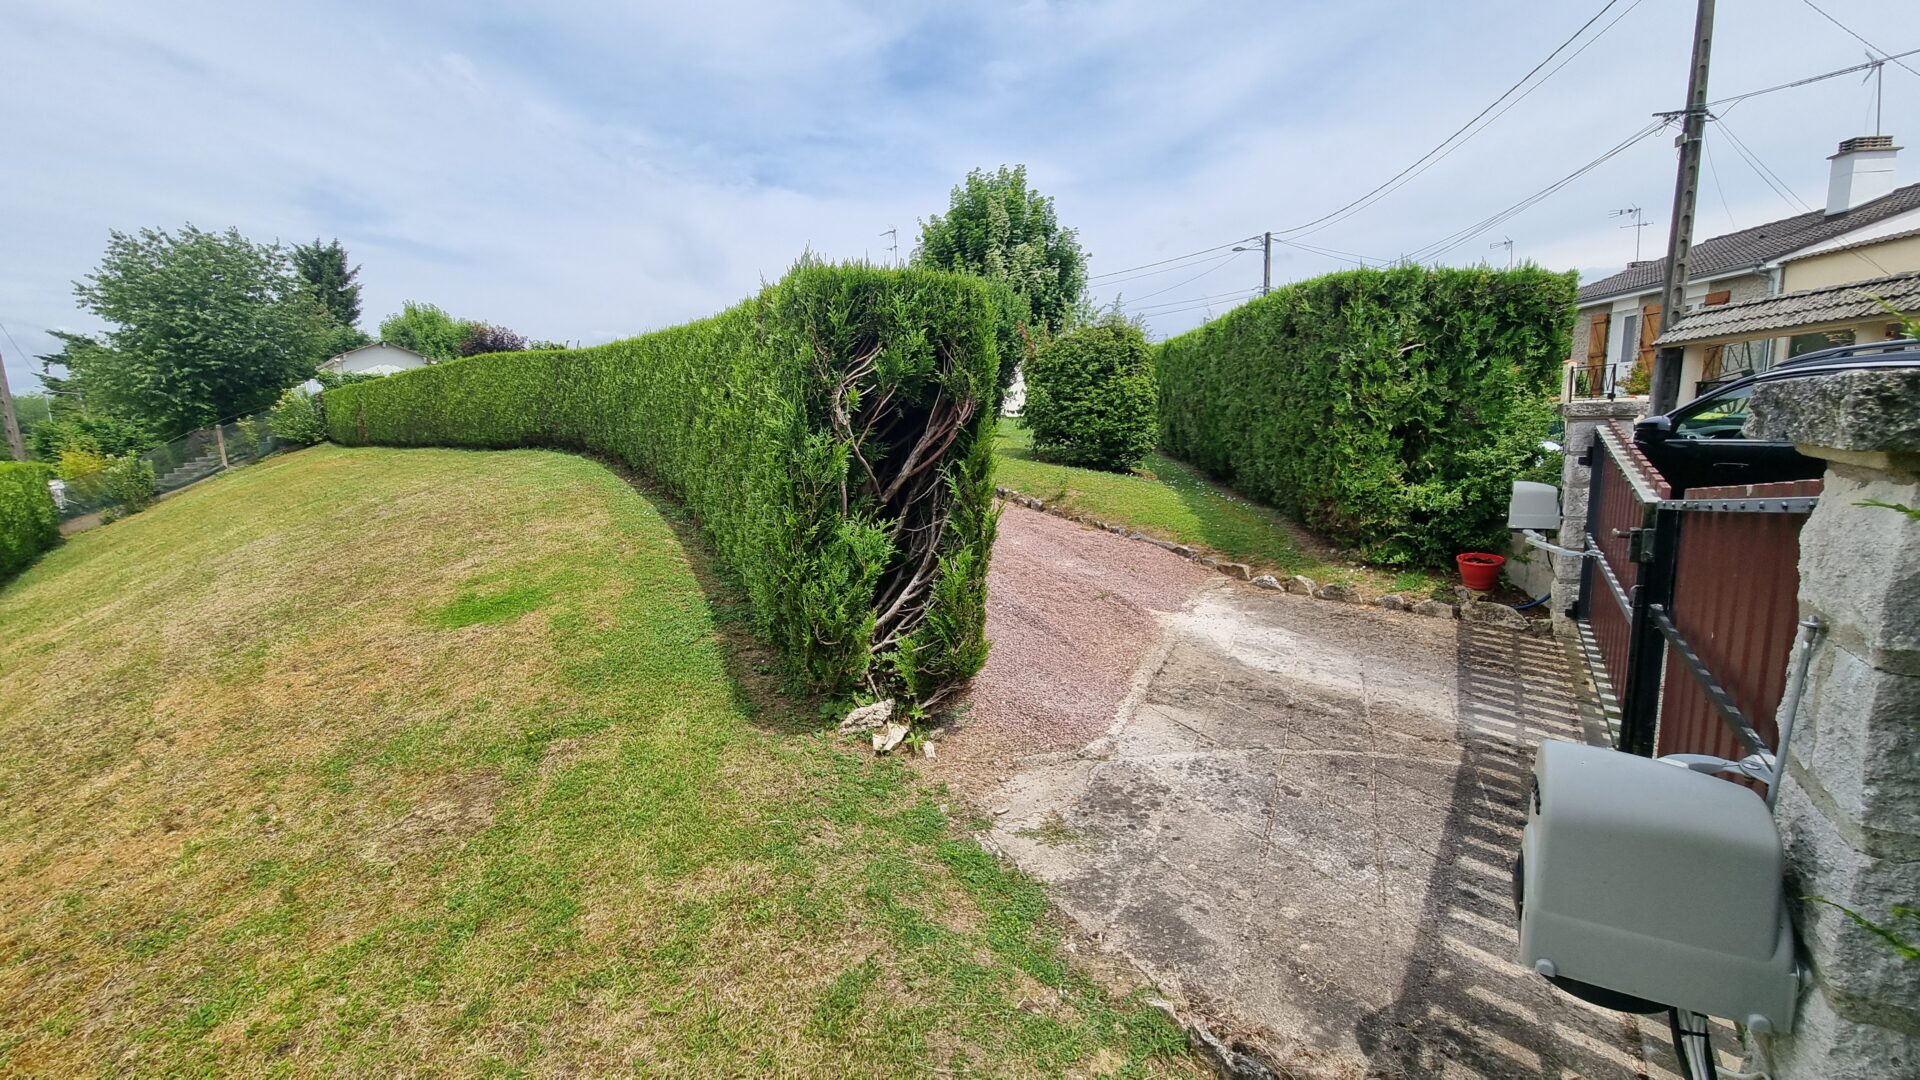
(1480, 570)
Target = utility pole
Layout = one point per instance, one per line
(14, 445)
(1266, 268)
(1665, 384)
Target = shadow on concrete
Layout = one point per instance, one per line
(1463, 1006)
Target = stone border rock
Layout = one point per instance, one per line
(1468, 606)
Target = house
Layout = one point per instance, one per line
(379, 358)
(1852, 313)
(1868, 229)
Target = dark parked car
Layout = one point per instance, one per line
(1704, 443)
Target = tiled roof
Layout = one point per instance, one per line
(1808, 307)
(1760, 244)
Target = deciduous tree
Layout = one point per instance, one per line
(203, 326)
(999, 228)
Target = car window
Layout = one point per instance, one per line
(1724, 417)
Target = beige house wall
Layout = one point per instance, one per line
(1895, 256)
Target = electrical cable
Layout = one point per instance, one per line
(1706, 148)
(1463, 133)
(1854, 36)
(1786, 193)
(1189, 300)
(1176, 258)
(1167, 270)
(1190, 280)
(1455, 239)
(1836, 73)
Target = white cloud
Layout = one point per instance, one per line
(587, 171)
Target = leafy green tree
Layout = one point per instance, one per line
(32, 410)
(425, 329)
(999, 228)
(336, 285)
(203, 326)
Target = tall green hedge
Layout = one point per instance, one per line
(832, 434)
(28, 523)
(1388, 409)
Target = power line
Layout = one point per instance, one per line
(1333, 252)
(1760, 168)
(1192, 279)
(1196, 307)
(1768, 176)
(1163, 262)
(1455, 239)
(1836, 73)
(1463, 130)
(1211, 260)
(1854, 36)
(1706, 148)
(1149, 310)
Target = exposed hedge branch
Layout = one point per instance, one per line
(1388, 409)
(831, 434)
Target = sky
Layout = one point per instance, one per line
(588, 171)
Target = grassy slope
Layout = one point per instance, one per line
(1172, 501)
(387, 761)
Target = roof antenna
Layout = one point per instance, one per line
(1879, 75)
(1639, 222)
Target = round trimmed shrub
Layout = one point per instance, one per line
(1091, 397)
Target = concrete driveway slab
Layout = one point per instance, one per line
(1302, 821)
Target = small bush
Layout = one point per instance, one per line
(130, 481)
(833, 435)
(298, 418)
(1090, 397)
(28, 523)
(1388, 409)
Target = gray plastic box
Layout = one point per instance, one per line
(1652, 881)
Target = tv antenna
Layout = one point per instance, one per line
(1505, 242)
(1638, 223)
(894, 233)
(1879, 75)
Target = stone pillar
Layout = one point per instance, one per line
(1849, 810)
(1582, 417)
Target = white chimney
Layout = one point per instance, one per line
(1862, 172)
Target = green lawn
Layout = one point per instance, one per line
(1170, 500)
(439, 762)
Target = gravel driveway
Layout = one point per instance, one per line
(1295, 815)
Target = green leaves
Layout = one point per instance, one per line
(1090, 397)
(28, 523)
(204, 326)
(1389, 409)
(1000, 229)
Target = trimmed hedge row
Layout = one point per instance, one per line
(28, 523)
(1388, 409)
(832, 434)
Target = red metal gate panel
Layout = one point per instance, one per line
(1736, 582)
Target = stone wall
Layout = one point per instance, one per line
(1849, 810)
(1582, 418)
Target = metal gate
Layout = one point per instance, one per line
(1690, 610)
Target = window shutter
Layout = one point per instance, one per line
(1649, 329)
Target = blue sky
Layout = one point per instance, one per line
(584, 171)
